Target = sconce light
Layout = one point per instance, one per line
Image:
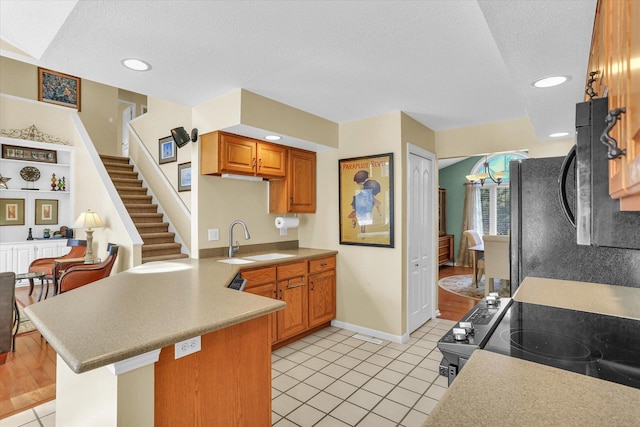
(181, 137)
(486, 173)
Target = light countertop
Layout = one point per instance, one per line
(148, 307)
(497, 390)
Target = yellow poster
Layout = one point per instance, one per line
(366, 200)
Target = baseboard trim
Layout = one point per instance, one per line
(371, 332)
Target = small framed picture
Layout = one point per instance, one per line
(184, 177)
(15, 152)
(11, 211)
(167, 151)
(46, 211)
(57, 88)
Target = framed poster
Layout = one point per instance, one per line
(46, 212)
(11, 211)
(184, 177)
(167, 152)
(366, 200)
(57, 88)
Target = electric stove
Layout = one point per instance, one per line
(597, 345)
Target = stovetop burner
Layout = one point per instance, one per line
(592, 344)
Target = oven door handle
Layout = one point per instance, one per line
(562, 184)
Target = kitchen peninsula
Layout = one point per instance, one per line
(115, 344)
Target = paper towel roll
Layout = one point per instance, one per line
(287, 222)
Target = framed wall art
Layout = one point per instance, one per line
(57, 88)
(46, 212)
(366, 200)
(184, 177)
(11, 211)
(15, 152)
(167, 150)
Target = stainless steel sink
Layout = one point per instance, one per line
(235, 261)
(268, 257)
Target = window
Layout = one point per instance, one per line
(494, 198)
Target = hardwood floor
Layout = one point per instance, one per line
(28, 377)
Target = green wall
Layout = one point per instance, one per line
(452, 179)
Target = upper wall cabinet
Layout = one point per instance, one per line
(615, 50)
(222, 152)
(296, 193)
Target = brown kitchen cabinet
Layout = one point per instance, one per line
(263, 282)
(296, 193)
(308, 288)
(322, 290)
(222, 152)
(292, 289)
(615, 45)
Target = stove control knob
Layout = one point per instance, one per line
(468, 327)
(495, 294)
(459, 334)
(491, 300)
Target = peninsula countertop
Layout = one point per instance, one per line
(150, 306)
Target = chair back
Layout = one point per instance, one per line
(78, 248)
(496, 257)
(80, 275)
(473, 237)
(7, 290)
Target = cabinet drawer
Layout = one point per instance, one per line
(259, 276)
(322, 264)
(292, 270)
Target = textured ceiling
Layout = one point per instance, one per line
(448, 64)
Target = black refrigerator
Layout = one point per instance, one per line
(544, 239)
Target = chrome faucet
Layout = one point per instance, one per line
(232, 249)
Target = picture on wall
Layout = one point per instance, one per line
(57, 88)
(167, 151)
(46, 212)
(15, 152)
(184, 177)
(366, 200)
(11, 212)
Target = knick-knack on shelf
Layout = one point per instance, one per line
(54, 181)
(64, 184)
(30, 235)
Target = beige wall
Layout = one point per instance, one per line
(509, 135)
(98, 104)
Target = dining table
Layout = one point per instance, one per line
(475, 251)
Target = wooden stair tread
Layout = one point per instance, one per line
(156, 235)
(164, 257)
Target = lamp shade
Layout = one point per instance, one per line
(88, 220)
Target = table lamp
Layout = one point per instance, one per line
(89, 220)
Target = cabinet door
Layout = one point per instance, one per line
(322, 297)
(293, 319)
(269, 292)
(6, 258)
(302, 181)
(272, 160)
(237, 154)
(22, 257)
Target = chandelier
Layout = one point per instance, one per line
(486, 173)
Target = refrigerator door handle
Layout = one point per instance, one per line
(562, 184)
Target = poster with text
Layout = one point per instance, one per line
(366, 200)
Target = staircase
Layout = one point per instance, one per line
(159, 244)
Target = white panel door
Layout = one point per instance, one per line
(420, 238)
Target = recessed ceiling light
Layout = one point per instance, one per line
(559, 134)
(136, 64)
(550, 81)
(273, 137)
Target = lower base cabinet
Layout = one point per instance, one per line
(308, 288)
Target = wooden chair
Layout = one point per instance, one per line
(79, 275)
(47, 265)
(8, 319)
(474, 239)
(496, 260)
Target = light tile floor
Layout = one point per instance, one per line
(330, 379)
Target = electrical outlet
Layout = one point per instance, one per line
(283, 231)
(186, 347)
(214, 234)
